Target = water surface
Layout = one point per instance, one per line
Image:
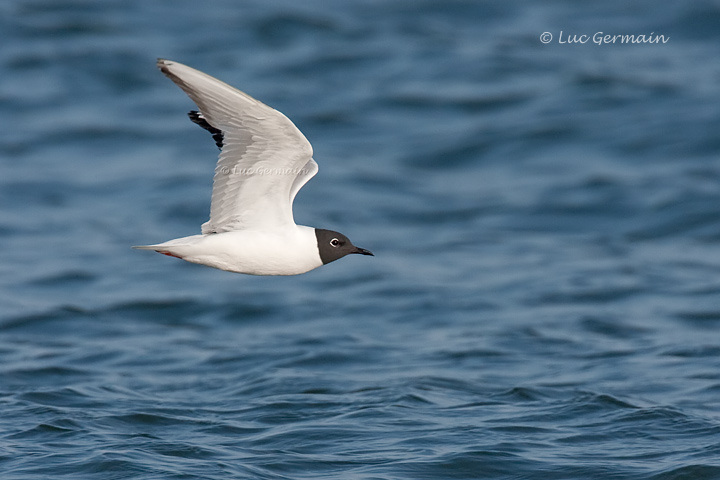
(544, 298)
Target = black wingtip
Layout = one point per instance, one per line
(195, 116)
(217, 134)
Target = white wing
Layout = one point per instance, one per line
(264, 160)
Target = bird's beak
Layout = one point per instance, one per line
(362, 251)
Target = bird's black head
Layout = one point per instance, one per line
(334, 245)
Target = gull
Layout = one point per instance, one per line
(264, 161)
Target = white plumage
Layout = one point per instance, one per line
(264, 161)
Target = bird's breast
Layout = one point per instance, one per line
(276, 252)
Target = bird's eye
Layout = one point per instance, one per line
(335, 242)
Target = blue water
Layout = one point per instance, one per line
(545, 297)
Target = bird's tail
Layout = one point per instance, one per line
(158, 248)
(145, 247)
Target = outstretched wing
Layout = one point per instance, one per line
(264, 158)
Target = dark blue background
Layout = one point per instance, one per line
(544, 300)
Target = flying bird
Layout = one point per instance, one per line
(264, 161)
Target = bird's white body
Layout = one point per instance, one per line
(281, 251)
